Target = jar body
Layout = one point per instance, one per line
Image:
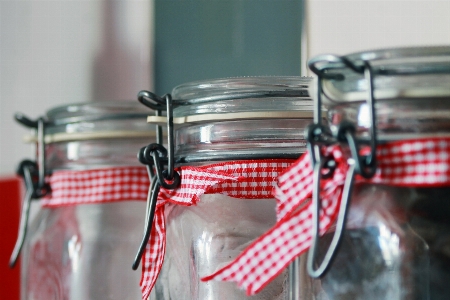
(395, 246)
(395, 241)
(207, 236)
(85, 251)
(242, 121)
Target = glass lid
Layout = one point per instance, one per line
(93, 120)
(242, 94)
(95, 111)
(398, 73)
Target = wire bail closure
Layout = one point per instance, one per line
(34, 176)
(318, 135)
(159, 162)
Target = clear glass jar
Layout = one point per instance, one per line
(397, 239)
(242, 120)
(85, 251)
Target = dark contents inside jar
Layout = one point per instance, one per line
(396, 246)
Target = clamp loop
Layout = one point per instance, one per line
(317, 135)
(34, 176)
(160, 164)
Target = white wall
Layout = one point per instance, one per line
(346, 26)
(58, 52)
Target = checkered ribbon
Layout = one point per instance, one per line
(408, 163)
(251, 179)
(97, 186)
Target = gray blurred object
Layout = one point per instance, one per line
(122, 66)
(198, 40)
(59, 52)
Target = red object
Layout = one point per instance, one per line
(10, 199)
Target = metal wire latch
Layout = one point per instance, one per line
(319, 135)
(34, 177)
(159, 162)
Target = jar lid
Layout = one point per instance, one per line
(240, 118)
(242, 94)
(95, 120)
(413, 72)
(241, 98)
(95, 111)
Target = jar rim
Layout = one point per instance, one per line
(95, 111)
(95, 120)
(398, 53)
(397, 72)
(240, 88)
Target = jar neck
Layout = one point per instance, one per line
(95, 135)
(397, 119)
(93, 154)
(243, 139)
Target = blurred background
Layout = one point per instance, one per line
(59, 52)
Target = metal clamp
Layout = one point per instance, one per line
(327, 59)
(365, 166)
(160, 166)
(152, 197)
(345, 132)
(158, 104)
(152, 100)
(34, 177)
(317, 134)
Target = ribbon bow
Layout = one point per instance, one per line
(251, 179)
(408, 163)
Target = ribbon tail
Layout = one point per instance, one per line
(271, 253)
(153, 256)
(268, 255)
(294, 186)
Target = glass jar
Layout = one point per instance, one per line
(397, 236)
(230, 125)
(83, 248)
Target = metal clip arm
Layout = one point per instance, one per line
(24, 120)
(152, 198)
(340, 225)
(358, 164)
(160, 164)
(28, 170)
(320, 64)
(152, 156)
(34, 177)
(363, 165)
(39, 125)
(152, 100)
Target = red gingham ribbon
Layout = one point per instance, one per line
(408, 163)
(70, 187)
(251, 179)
